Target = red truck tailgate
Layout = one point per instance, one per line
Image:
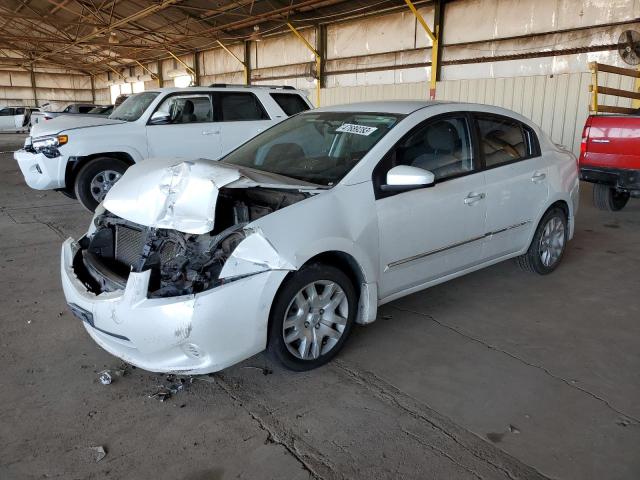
(611, 141)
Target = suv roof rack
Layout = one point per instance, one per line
(238, 85)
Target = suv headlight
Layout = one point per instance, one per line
(49, 144)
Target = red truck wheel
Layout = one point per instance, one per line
(609, 199)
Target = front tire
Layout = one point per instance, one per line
(548, 244)
(311, 317)
(96, 178)
(609, 199)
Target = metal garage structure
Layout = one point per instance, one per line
(528, 55)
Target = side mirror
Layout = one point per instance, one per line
(159, 118)
(405, 177)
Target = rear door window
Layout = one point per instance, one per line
(503, 140)
(239, 106)
(290, 103)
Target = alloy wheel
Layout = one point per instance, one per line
(102, 182)
(552, 241)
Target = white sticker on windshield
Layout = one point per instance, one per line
(357, 129)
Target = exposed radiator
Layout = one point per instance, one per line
(129, 244)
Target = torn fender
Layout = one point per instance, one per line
(254, 254)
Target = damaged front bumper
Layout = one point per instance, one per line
(195, 334)
(41, 172)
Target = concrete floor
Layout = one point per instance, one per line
(499, 374)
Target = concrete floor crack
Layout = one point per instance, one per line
(50, 225)
(525, 362)
(394, 396)
(309, 461)
(441, 452)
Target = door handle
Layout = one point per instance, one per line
(538, 177)
(473, 198)
(600, 140)
(210, 132)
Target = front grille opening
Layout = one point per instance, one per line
(129, 245)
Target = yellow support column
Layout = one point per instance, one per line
(190, 70)
(593, 88)
(153, 75)
(244, 64)
(434, 48)
(318, 60)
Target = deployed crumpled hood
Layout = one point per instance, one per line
(69, 122)
(181, 194)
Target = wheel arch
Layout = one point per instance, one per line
(561, 203)
(75, 164)
(366, 292)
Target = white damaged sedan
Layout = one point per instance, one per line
(284, 244)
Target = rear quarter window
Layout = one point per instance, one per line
(239, 106)
(505, 140)
(290, 103)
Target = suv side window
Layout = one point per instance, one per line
(239, 106)
(503, 140)
(290, 103)
(440, 145)
(187, 108)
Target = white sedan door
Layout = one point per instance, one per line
(241, 117)
(517, 188)
(429, 233)
(188, 130)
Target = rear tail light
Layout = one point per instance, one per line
(585, 138)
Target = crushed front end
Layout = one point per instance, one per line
(162, 299)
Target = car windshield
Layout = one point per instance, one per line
(134, 106)
(316, 147)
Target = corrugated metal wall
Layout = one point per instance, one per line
(559, 104)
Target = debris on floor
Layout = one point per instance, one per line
(265, 371)
(99, 453)
(106, 377)
(174, 385)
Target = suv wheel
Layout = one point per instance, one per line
(311, 317)
(96, 178)
(548, 244)
(608, 198)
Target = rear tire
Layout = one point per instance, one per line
(96, 178)
(311, 317)
(609, 199)
(548, 244)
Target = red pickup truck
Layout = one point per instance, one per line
(610, 158)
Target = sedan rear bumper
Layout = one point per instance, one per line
(193, 334)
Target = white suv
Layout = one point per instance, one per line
(84, 156)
